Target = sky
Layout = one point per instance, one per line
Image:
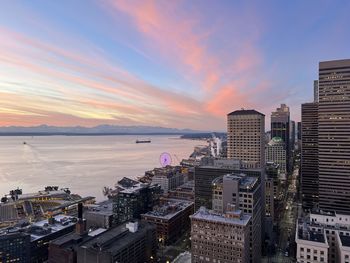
(177, 64)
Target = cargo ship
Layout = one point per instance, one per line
(143, 141)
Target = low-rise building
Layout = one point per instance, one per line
(133, 242)
(336, 229)
(14, 247)
(168, 177)
(218, 237)
(312, 244)
(132, 199)
(171, 218)
(183, 192)
(99, 216)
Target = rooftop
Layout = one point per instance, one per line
(115, 239)
(245, 182)
(169, 209)
(345, 240)
(245, 112)
(205, 214)
(306, 233)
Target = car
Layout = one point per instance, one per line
(286, 254)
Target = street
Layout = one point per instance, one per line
(285, 250)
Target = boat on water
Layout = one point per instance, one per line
(24, 142)
(143, 141)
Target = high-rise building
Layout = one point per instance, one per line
(292, 136)
(334, 135)
(309, 155)
(217, 237)
(243, 192)
(209, 169)
(276, 153)
(315, 90)
(246, 138)
(299, 130)
(280, 127)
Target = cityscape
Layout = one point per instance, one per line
(261, 187)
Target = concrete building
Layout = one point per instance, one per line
(133, 242)
(275, 152)
(183, 192)
(168, 177)
(133, 199)
(269, 198)
(246, 137)
(333, 135)
(100, 216)
(14, 247)
(243, 192)
(309, 155)
(336, 231)
(280, 127)
(171, 218)
(292, 136)
(312, 245)
(217, 237)
(211, 168)
(316, 93)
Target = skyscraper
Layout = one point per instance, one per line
(309, 155)
(315, 90)
(280, 127)
(334, 135)
(245, 138)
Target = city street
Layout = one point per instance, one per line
(285, 249)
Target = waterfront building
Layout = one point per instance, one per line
(134, 242)
(309, 155)
(276, 153)
(243, 192)
(171, 217)
(99, 216)
(132, 199)
(14, 247)
(280, 127)
(169, 177)
(217, 237)
(245, 138)
(333, 135)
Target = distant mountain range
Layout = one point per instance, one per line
(97, 130)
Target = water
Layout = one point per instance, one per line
(83, 163)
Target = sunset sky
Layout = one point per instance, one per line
(182, 64)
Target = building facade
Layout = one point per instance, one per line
(171, 218)
(333, 135)
(217, 237)
(309, 155)
(244, 193)
(14, 247)
(280, 127)
(133, 199)
(246, 138)
(276, 153)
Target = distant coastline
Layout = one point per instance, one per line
(80, 134)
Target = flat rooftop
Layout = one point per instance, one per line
(345, 240)
(205, 214)
(305, 233)
(169, 209)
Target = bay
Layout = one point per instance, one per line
(85, 164)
